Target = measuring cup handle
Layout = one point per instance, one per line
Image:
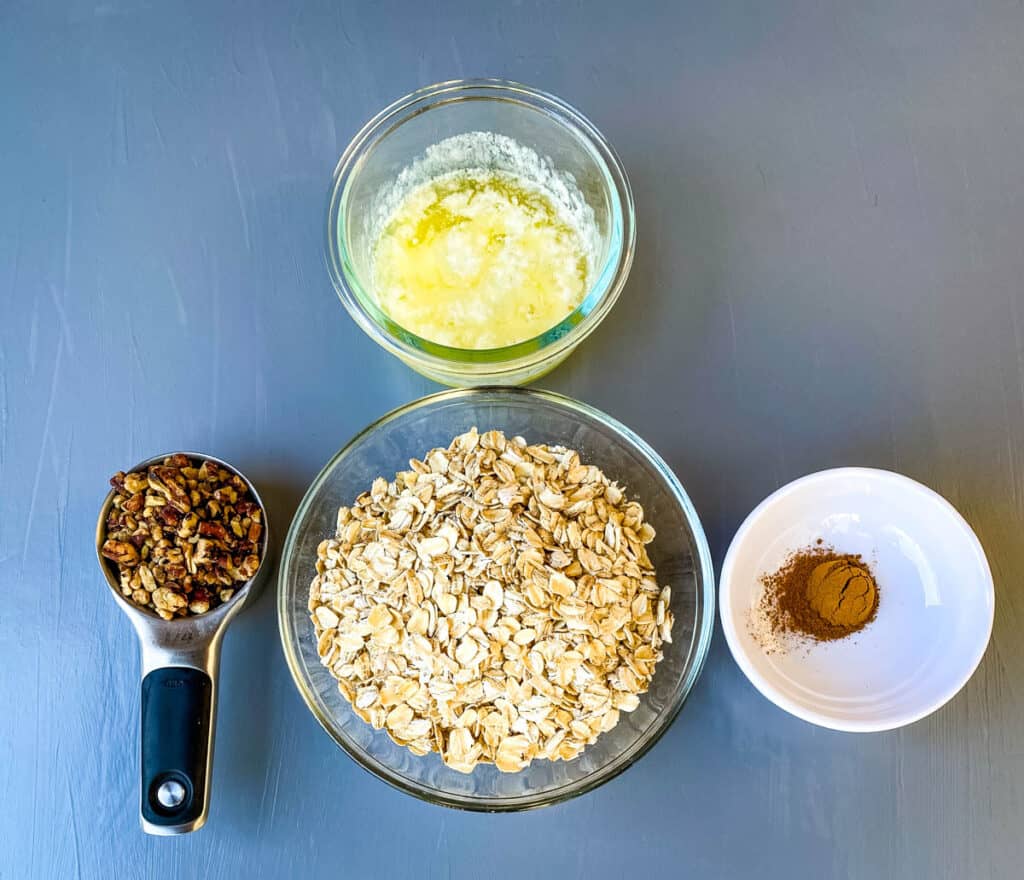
(177, 748)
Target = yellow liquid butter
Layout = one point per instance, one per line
(479, 259)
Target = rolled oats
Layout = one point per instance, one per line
(494, 603)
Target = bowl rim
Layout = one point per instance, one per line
(698, 652)
(900, 483)
(602, 294)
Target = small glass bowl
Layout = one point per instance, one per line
(398, 135)
(679, 553)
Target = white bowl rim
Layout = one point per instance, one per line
(763, 685)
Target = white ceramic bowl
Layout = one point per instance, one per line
(936, 599)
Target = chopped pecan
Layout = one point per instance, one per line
(210, 470)
(189, 524)
(134, 483)
(205, 576)
(184, 535)
(168, 601)
(249, 566)
(169, 516)
(174, 555)
(226, 495)
(165, 481)
(203, 550)
(121, 552)
(213, 530)
(135, 503)
(173, 571)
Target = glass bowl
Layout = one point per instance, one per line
(679, 552)
(401, 133)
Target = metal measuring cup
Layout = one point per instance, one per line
(180, 660)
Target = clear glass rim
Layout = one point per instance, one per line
(565, 335)
(700, 643)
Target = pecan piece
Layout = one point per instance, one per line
(174, 571)
(134, 483)
(188, 526)
(226, 495)
(199, 604)
(135, 503)
(121, 552)
(213, 530)
(205, 551)
(184, 534)
(210, 470)
(168, 601)
(249, 566)
(169, 516)
(165, 481)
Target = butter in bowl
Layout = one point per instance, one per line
(479, 230)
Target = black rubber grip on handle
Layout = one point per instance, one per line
(177, 702)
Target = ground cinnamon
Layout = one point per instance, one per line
(819, 594)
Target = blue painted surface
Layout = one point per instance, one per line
(831, 204)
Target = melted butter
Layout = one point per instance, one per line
(478, 260)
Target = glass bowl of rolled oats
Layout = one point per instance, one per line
(496, 599)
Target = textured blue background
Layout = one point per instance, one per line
(830, 265)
